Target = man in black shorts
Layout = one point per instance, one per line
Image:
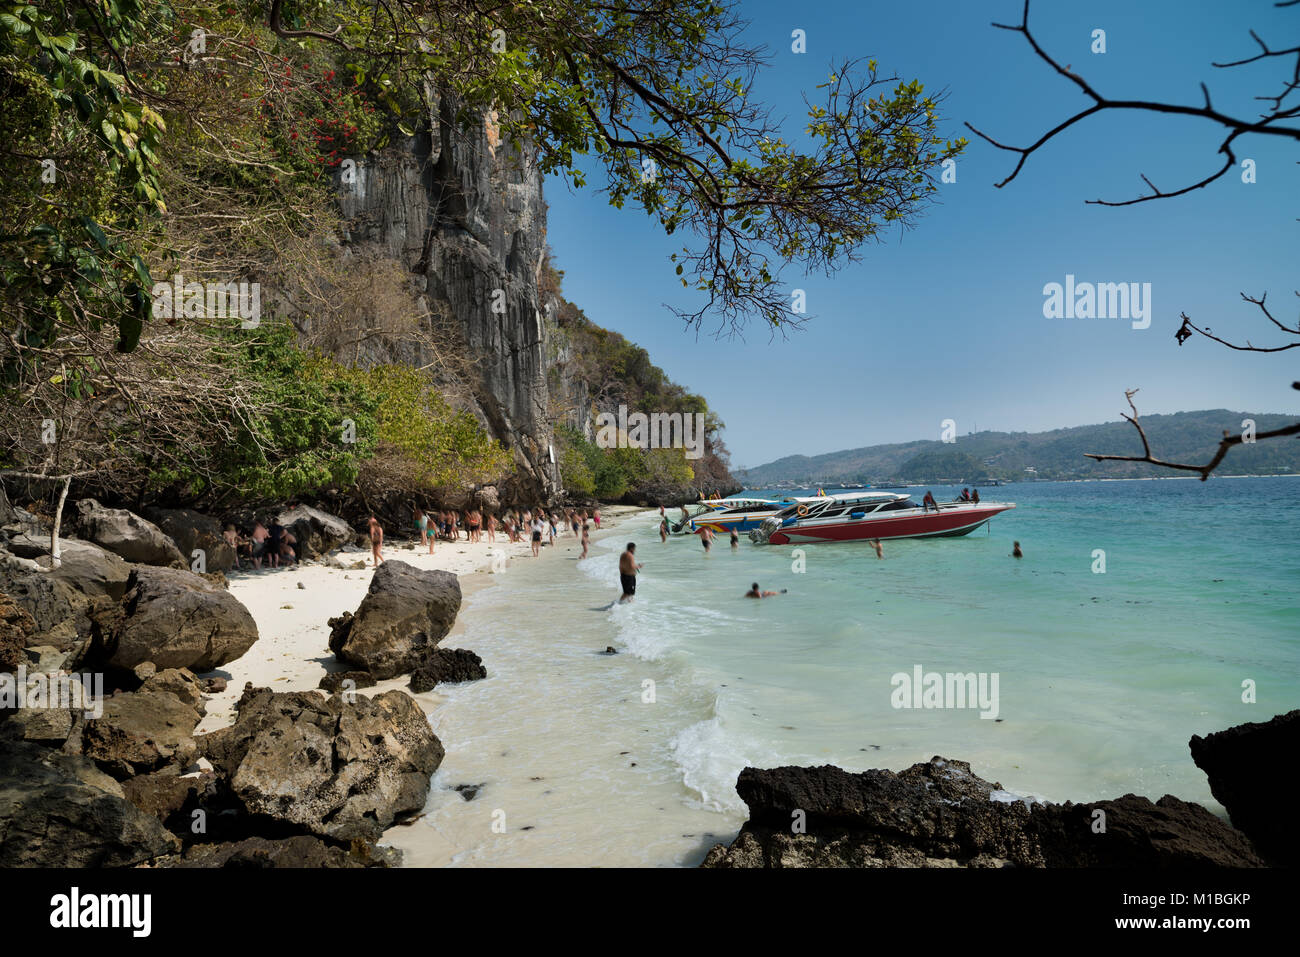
(628, 566)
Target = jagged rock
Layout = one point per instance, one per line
(177, 619)
(940, 814)
(464, 211)
(448, 665)
(317, 532)
(1168, 833)
(299, 851)
(48, 726)
(126, 534)
(337, 768)
(178, 682)
(334, 682)
(1242, 765)
(403, 616)
(16, 630)
(59, 810)
(214, 685)
(192, 530)
(141, 732)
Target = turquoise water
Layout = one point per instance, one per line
(1103, 677)
(631, 759)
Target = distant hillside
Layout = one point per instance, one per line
(1183, 437)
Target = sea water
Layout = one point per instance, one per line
(1142, 612)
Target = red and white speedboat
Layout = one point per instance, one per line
(861, 516)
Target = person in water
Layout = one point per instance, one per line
(928, 502)
(706, 536)
(875, 543)
(663, 530)
(628, 567)
(755, 592)
(376, 540)
(735, 539)
(537, 527)
(1015, 550)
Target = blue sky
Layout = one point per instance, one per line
(946, 320)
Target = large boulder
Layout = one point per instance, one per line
(59, 810)
(405, 614)
(141, 732)
(192, 530)
(446, 665)
(63, 602)
(124, 533)
(940, 814)
(1243, 764)
(336, 768)
(317, 532)
(177, 619)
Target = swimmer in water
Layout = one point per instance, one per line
(1015, 550)
(755, 592)
(875, 543)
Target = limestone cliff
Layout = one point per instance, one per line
(463, 211)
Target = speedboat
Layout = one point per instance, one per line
(684, 524)
(862, 516)
(742, 515)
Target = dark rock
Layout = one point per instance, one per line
(333, 682)
(16, 631)
(176, 619)
(1168, 833)
(64, 603)
(1242, 764)
(340, 769)
(404, 615)
(179, 683)
(317, 532)
(258, 852)
(140, 733)
(59, 810)
(450, 665)
(468, 791)
(192, 530)
(126, 534)
(940, 814)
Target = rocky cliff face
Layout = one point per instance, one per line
(463, 210)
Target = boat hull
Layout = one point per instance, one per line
(948, 523)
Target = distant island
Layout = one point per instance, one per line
(984, 457)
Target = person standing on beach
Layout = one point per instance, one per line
(628, 566)
(537, 527)
(491, 527)
(595, 517)
(586, 540)
(376, 541)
